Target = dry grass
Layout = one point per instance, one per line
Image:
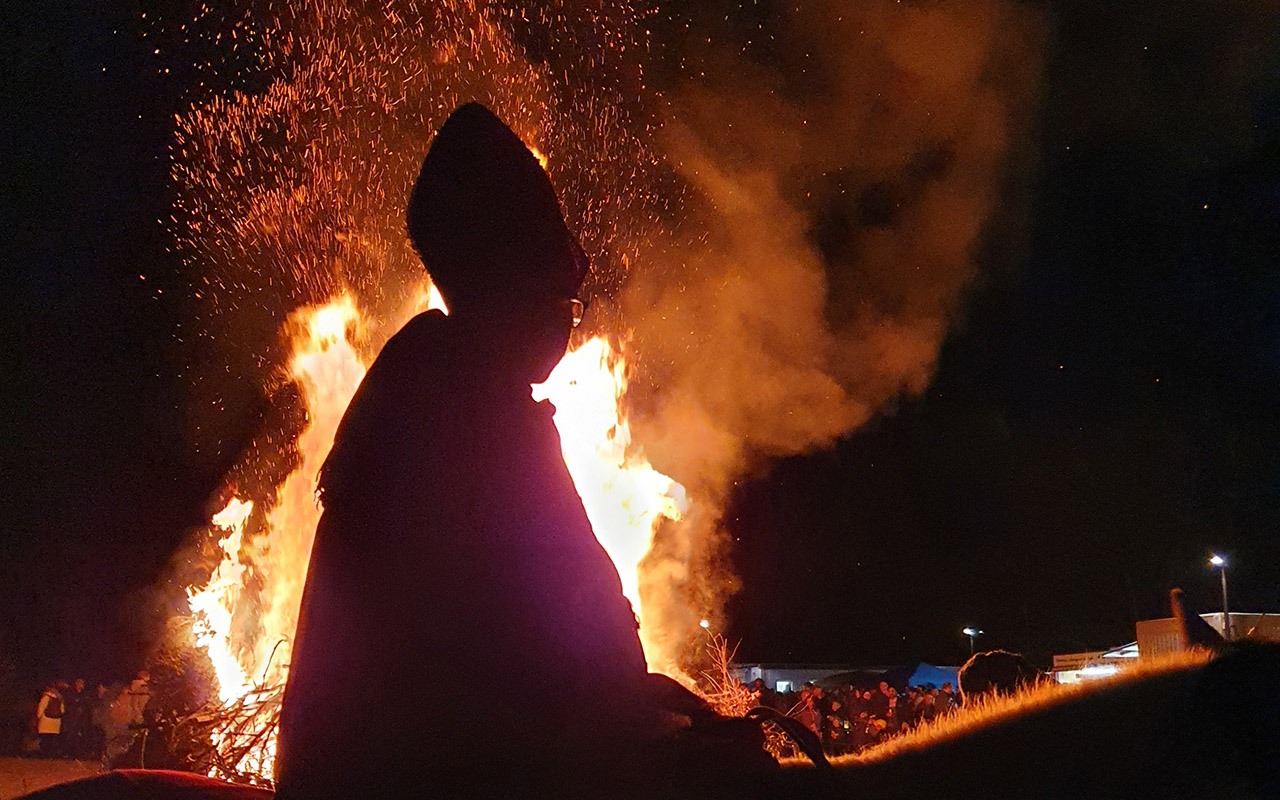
(243, 733)
(987, 710)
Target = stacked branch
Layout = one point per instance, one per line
(725, 694)
(236, 740)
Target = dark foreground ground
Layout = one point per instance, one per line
(18, 776)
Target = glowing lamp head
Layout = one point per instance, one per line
(704, 624)
(971, 631)
(1217, 560)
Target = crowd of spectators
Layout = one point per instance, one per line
(72, 720)
(850, 719)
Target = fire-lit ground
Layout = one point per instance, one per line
(19, 776)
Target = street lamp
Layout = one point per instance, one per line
(1221, 563)
(972, 633)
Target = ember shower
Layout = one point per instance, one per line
(779, 237)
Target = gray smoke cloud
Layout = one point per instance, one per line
(831, 191)
(839, 192)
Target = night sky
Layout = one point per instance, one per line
(1104, 415)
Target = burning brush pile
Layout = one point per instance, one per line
(729, 325)
(257, 584)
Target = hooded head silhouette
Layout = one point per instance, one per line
(485, 219)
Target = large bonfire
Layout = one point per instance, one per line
(624, 496)
(299, 186)
(291, 169)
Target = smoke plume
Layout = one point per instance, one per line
(791, 204)
(839, 188)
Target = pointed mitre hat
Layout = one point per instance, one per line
(484, 216)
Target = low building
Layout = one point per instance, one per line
(783, 678)
(1077, 667)
(1069, 667)
(1156, 636)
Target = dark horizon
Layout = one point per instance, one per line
(1103, 416)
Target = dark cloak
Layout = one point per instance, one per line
(457, 598)
(457, 601)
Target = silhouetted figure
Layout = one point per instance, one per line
(997, 671)
(1193, 631)
(76, 722)
(49, 712)
(453, 550)
(944, 700)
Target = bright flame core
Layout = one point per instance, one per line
(625, 499)
(213, 607)
(252, 659)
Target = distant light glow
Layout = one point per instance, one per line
(706, 623)
(1100, 670)
(971, 632)
(1217, 560)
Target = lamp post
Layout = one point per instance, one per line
(1221, 563)
(972, 633)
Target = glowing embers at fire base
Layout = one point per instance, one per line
(245, 616)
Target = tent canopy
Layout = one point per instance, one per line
(929, 675)
(918, 674)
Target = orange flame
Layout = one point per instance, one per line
(213, 607)
(625, 498)
(328, 370)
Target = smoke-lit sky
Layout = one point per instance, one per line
(1030, 248)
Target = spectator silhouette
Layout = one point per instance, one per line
(453, 549)
(998, 672)
(76, 721)
(49, 712)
